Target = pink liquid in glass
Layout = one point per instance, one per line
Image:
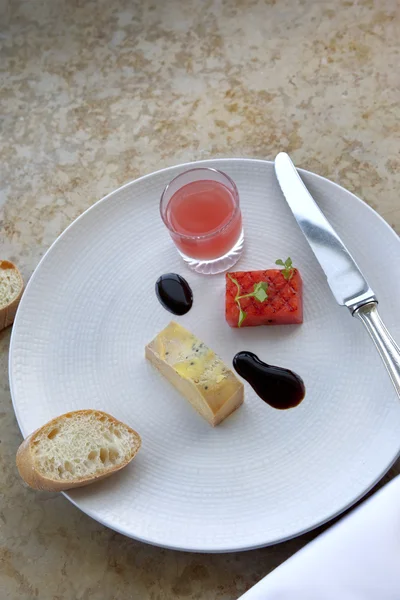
(204, 219)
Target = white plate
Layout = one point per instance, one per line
(263, 475)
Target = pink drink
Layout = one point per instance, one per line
(204, 219)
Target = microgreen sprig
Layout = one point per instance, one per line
(259, 293)
(288, 269)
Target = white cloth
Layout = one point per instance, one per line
(357, 559)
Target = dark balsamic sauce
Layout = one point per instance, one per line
(174, 293)
(280, 388)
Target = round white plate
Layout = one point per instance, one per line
(263, 475)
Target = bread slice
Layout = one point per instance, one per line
(76, 449)
(11, 288)
(196, 372)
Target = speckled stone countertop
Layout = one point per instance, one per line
(95, 93)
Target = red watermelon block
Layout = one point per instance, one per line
(281, 302)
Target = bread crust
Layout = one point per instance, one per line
(8, 312)
(37, 481)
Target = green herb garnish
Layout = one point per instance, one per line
(242, 316)
(288, 269)
(259, 293)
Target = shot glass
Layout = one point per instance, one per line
(201, 211)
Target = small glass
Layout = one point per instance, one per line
(201, 210)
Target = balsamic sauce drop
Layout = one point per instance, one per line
(174, 293)
(280, 388)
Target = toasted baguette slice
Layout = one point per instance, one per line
(196, 372)
(76, 449)
(11, 288)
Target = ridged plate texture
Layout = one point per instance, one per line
(263, 475)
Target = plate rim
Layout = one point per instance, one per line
(88, 512)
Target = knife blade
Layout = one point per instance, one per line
(348, 284)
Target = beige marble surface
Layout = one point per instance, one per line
(95, 93)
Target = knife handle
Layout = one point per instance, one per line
(385, 344)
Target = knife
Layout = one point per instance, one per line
(347, 283)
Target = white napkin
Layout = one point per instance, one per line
(357, 559)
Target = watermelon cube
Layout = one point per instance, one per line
(283, 305)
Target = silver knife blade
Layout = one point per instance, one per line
(345, 279)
